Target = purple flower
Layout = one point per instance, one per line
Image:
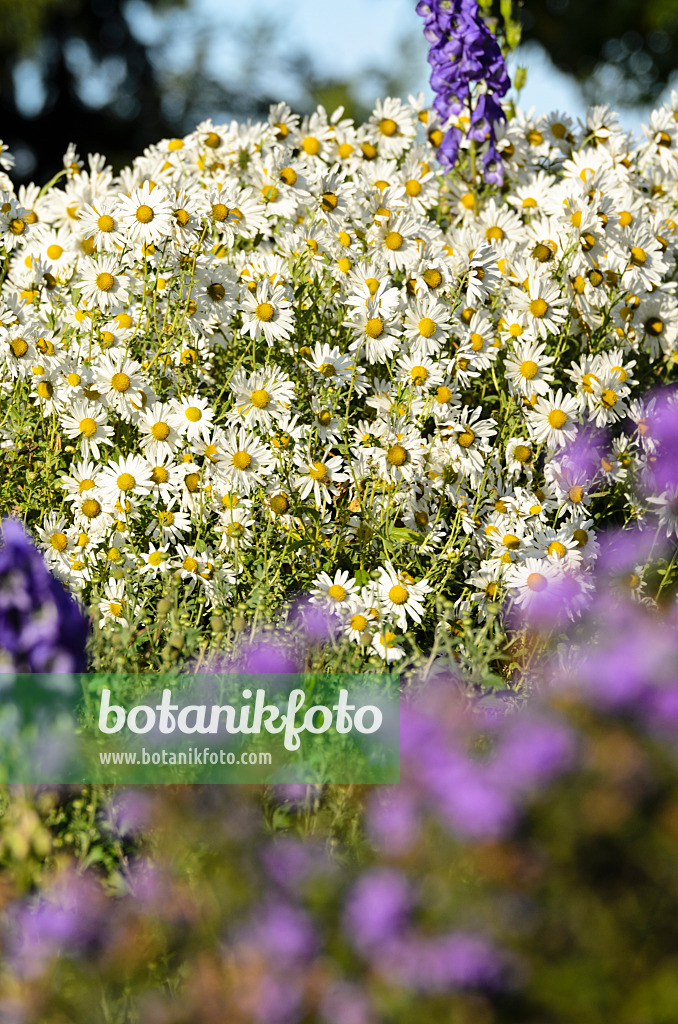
(532, 751)
(284, 932)
(443, 963)
(464, 52)
(393, 820)
(67, 920)
(129, 811)
(42, 628)
(346, 1004)
(377, 908)
(660, 438)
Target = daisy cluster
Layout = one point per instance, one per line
(296, 356)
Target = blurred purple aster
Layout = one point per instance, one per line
(284, 932)
(660, 438)
(67, 920)
(42, 628)
(377, 908)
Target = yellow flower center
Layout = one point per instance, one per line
(337, 592)
(397, 594)
(374, 327)
(191, 482)
(387, 126)
(557, 418)
(17, 227)
(329, 201)
(494, 234)
(413, 187)
(264, 311)
(344, 264)
(155, 557)
(45, 389)
(120, 382)
(59, 541)
(529, 369)
(358, 622)
(242, 460)
(144, 213)
(182, 217)
(19, 347)
(190, 564)
(397, 455)
(432, 277)
(608, 398)
(581, 537)
(88, 427)
(324, 417)
(270, 193)
(419, 375)
(327, 370)
(317, 471)
(427, 327)
(193, 413)
(85, 485)
(279, 504)
(654, 326)
(393, 240)
(557, 548)
(638, 256)
(537, 582)
(216, 291)
(126, 482)
(105, 281)
(522, 453)
(511, 542)
(160, 431)
(538, 308)
(54, 251)
(289, 176)
(105, 223)
(477, 342)
(576, 493)
(443, 395)
(311, 145)
(466, 438)
(115, 609)
(260, 398)
(220, 211)
(91, 508)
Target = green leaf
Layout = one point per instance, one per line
(402, 535)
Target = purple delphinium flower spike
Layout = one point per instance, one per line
(463, 51)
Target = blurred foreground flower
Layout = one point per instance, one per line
(42, 628)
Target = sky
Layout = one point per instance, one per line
(343, 39)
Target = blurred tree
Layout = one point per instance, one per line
(82, 71)
(90, 81)
(621, 51)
